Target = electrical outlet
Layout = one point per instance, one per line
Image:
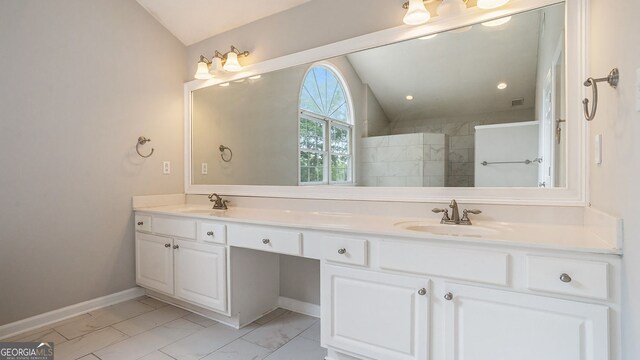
(204, 169)
(598, 150)
(166, 167)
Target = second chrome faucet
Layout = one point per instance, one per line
(455, 214)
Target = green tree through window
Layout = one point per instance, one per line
(326, 127)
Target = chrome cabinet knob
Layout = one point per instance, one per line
(422, 291)
(266, 241)
(140, 223)
(209, 233)
(565, 278)
(176, 246)
(167, 245)
(448, 296)
(342, 251)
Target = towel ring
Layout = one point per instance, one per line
(141, 141)
(612, 80)
(222, 148)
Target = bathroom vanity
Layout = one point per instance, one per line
(395, 288)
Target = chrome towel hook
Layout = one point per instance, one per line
(612, 80)
(222, 149)
(141, 141)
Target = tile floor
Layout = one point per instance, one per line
(149, 329)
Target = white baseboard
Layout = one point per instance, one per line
(299, 306)
(34, 322)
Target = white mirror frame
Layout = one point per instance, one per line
(574, 194)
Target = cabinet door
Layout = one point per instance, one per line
(376, 315)
(486, 324)
(201, 274)
(154, 262)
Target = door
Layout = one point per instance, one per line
(201, 274)
(154, 262)
(376, 315)
(487, 324)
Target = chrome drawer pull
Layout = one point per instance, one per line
(209, 233)
(448, 296)
(176, 246)
(167, 245)
(266, 241)
(422, 291)
(342, 251)
(140, 223)
(565, 278)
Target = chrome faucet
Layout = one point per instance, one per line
(455, 215)
(218, 202)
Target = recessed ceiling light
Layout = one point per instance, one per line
(255, 77)
(409, 97)
(224, 84)
(428, 37)
(502, 86)
(498, 22)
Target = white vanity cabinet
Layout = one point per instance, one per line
(488, 324)
(377, 315)
(186, 269)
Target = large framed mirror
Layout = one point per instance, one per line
(482, 107)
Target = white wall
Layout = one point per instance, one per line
(614, 184)
(81, 80)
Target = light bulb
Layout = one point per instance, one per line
(216, 66)
(498, 22)
(491, 4)
(232, 63)
(451, 8)
(202, 73)
(417, 13)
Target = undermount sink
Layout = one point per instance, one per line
(446, 229)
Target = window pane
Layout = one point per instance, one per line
(311, 135)
(340, 140)
(323, 94)
(340, 168)
(311, 167)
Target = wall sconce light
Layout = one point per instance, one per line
(228, 62)
(417, 13)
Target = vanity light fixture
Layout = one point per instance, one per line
(502, 86)
(228, 62)
(497, 22)
(417, 13)
(452, 7)
(491, 4)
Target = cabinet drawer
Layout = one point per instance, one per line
(212, 232)
(184, 228)
(345, 250)
(472, 265)
(583, 278)
(143, 223)
(266, 239)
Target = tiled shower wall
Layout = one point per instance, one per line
(460, 132)
(404, 160)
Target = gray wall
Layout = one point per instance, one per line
(614, 184)
(81, 80)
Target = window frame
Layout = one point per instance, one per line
(328, 123)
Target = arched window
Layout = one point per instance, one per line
(326, 128)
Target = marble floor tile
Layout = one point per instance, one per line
(279, 331)
(88, 344)
(205, 341)
(298, 349)
(200, 320)
(149, 341)
(157, 355)
(312, 333)
(48, 335)
(272, 315)
(102, 318)
(150, 320)
(51, 326)
(154, 303)
(89, 357)
(239, 350)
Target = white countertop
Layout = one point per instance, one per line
(545, 236)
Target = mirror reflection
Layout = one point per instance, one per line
(478, 106)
